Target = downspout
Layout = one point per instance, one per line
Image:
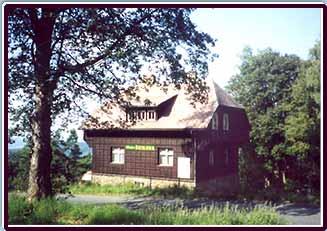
(194, 148)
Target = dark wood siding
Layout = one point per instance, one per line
(137, 163)
(218, 141)
(205, 171)
(239, 126)
(145, 163)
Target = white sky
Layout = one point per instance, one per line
(292, 31)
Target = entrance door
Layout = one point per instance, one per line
(183, 167)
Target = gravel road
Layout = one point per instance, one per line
(295, 214)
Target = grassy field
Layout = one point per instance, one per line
(53, 211)
(130, 189)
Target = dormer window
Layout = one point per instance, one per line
(151, 115)
(141, 114)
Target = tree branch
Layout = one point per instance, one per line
(79, 67)
(83, 87)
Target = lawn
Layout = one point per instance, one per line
(58, 211)
(130, 189)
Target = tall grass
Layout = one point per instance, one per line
(53, 211)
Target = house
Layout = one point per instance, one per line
(163, 140)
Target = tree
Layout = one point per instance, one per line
(302, 128)
(58, 56)
(264, 87)
(73, 151)
(19, 161)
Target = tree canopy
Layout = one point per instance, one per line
(281, 94)
(97, 52)
(60, 56)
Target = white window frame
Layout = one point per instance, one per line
(214, 121)
(211, 158)
(168, 156)
(120, 152)
(226, 122)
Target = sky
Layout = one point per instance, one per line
(291, 31)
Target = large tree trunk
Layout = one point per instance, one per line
(39, 174)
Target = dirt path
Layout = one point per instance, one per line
(295, 214)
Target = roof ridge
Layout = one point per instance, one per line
(223, 98)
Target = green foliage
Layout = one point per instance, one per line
(302, 127)
(249, 160)
(92, 188)
(18, 210)
(59, 57)
(114, 215)
(18, 169)
(264, 87)
(52, 211)
(74, 66)
(281, 95)
(174, 191)
(65, 168)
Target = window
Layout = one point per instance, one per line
(214, 121)
(131, 116)
(227, 156)
(137, 114)
(151, 115)
(166, 157)
(117, 155)
(211, 158)
(225, 122)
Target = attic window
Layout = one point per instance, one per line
(225, 122)
(214, 121)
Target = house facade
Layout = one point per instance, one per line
(168, 141)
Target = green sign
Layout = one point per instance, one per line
(139, 147)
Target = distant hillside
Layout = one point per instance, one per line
(85, 149)
(13, 150)
(19, 144)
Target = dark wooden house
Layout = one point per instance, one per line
(163, 140)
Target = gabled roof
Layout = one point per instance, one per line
(181, 113)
